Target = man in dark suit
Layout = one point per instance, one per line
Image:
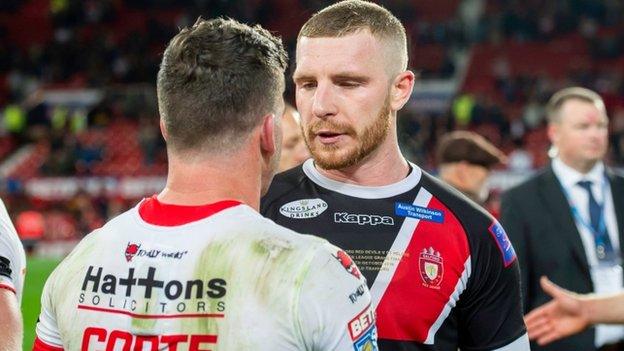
(567, 221)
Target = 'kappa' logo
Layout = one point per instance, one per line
(362, 219)
(131, 251)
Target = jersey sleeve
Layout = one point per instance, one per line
(491, 309)
(335, 311)
(48, 336)
(12, 256)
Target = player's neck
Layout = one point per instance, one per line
(384, 166)
(211, 180)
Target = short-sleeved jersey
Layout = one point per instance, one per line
(12, 256)
(442, 272)
(213, 277)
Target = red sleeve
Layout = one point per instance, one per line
(8, 287)
(42, 346)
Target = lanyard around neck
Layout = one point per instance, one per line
(602, 227)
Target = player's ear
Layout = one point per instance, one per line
(401, 89)
(163, 129)
(268, 134)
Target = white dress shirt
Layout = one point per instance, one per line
(606, 279)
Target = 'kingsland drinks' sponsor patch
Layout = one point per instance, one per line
(302, 209)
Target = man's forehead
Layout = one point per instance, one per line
(340, 53)
(586, 111)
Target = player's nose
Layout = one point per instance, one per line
(323, 105)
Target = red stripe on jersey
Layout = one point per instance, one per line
(412, 303)
(151, 316)
(8, 287)
(42, 346)
(157, 213)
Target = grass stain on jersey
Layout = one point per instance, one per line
(263, 275)
(73, 268)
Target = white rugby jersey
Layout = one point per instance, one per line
(12, 256)
(213, 277)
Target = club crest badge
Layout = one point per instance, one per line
(431, 268)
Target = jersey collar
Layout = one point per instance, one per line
(155, 212)
(360, 191)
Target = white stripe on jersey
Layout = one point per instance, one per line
(360, 191)
(520, 344)
(403, 238)
(451, 303)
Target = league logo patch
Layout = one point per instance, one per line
(431, 267)
(304, 208)
(504, 245)
(348, 264)
(131, 251)
(367, 342)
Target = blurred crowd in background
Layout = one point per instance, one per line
(502, 60)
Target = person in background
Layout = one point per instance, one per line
(567, 221)
(294, 150)
(465, 160)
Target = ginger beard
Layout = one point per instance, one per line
(365, 143)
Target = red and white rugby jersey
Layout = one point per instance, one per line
(12, 256)
(213, 277)
(440, 269)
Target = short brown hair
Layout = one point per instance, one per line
(216, 79)
(468, 147)
(578, 93)
(350, 16)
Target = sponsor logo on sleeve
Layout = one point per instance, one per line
(304, 208)
(418, 212)
(135, 250)
(5, 267)
(131, 251)
(348, 264)
(363, 331)
(359, 292)
(503, 243)
(431, 267)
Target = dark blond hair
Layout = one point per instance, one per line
(573, 93)
(350, 16)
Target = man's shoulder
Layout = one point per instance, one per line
(285, 184)
(616, 174)
(530, 186)
(453, 199)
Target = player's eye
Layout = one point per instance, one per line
(349, 84)
(307, 85)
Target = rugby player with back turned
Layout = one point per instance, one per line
(442, 273)
(196, 267)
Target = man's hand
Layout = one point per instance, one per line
(565, 315)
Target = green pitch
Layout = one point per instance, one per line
(37, 272)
